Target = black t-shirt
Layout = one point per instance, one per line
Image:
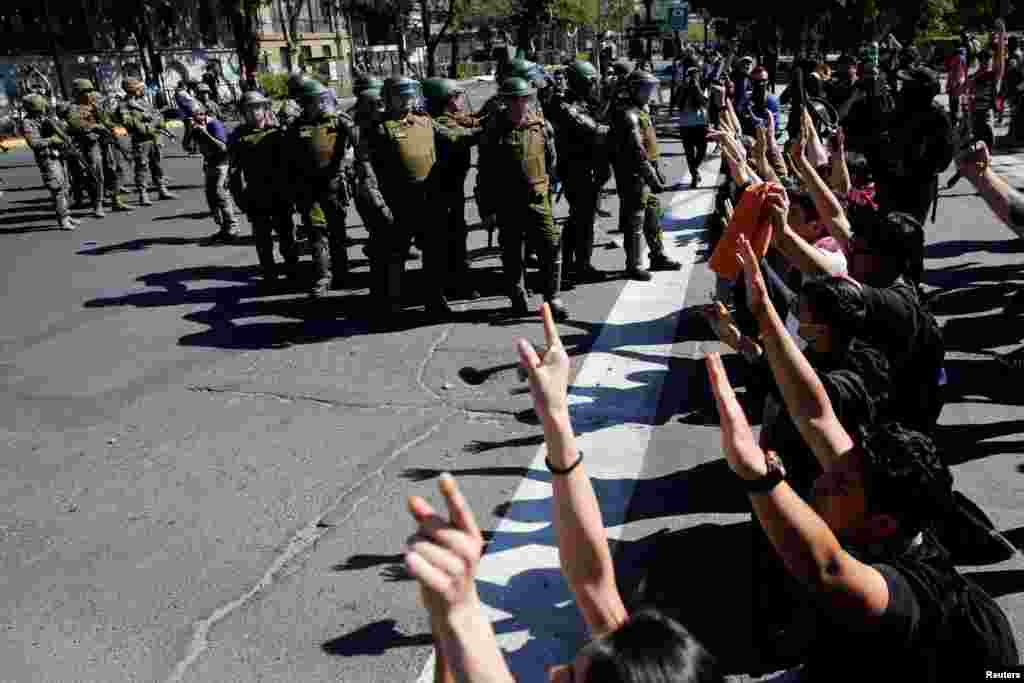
(899, 325)
(911, 641)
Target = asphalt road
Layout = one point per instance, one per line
(205, 480)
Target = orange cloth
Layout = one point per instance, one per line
(750, 218)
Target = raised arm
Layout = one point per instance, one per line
(828, 206)
(802, 391)
(1005, 201)
(582, 541)
(853, 592)
(805, 257)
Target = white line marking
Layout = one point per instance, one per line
(613, 402)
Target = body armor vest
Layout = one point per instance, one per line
(649, 136)
(258, 157)
(316, 143)
(412, 139)
(522, 152)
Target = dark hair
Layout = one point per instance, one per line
(904, 476)
(838, 303)
(804, 199)
(651, 648)
(898, 237)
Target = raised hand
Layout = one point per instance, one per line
(975, 160)
(741, 451)
(757, 291)
(548, 376)
(443, 554)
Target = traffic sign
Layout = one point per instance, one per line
(679, 16)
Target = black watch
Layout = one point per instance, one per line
(775, 474)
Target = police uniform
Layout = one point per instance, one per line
(142, 122)
(255, 156)
(315, 156)
(395, 164)
(365, 114)
(114, 154)
(46, 138)
(580, 141)
(514, 166)
(87, 127)
(638, 178)
(454, 161)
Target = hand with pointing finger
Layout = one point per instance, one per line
(548, 375)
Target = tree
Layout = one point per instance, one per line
(290, 12)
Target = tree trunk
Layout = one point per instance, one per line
(453, 68)
(523, 36)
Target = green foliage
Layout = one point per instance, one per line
(275, 85)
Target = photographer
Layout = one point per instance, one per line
(211, 140)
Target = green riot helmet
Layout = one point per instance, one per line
(34, 104)
(517, 68)
(515, 87)
(370, 103)
(316, 100)
(642, 85)
(581, 77)
(203, 88)
(401, 94)
(531, 72)
(82, 85)
(439, 92)
(365, 82)
(255, 108)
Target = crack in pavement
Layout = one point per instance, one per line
(300, 543)
(286, 397)
(306, 538)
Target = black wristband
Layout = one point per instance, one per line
(567, 470)
(764, 484)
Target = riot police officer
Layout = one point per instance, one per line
(205, 97)
(517, 157)
(580, 142)
(144, 123)
(290, 110)
(315, 148)
(46, 137)
(444, 103)
(395, 165)
(367, 113)
(638, 177)
(86, 125)
(254, 153)
(114, 156)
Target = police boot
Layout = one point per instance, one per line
(97, 210)
(117, 203)
(165, 193)
(632, 241)
(551, 281)
(652, 231)
(67, 223)
(321, 268)
(585, 270)
(393, 283)
(144, 199)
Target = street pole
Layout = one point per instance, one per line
(649, 6)
(55, 50)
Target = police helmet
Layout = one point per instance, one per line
(311, 88)
(401, 85)
(515, 87)
(640, 77)
(365, 82)
(203, 87)
(439, 90)
(34, 103)
(581, 75)
(82, 85)
(198, 108)
(252, 98)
